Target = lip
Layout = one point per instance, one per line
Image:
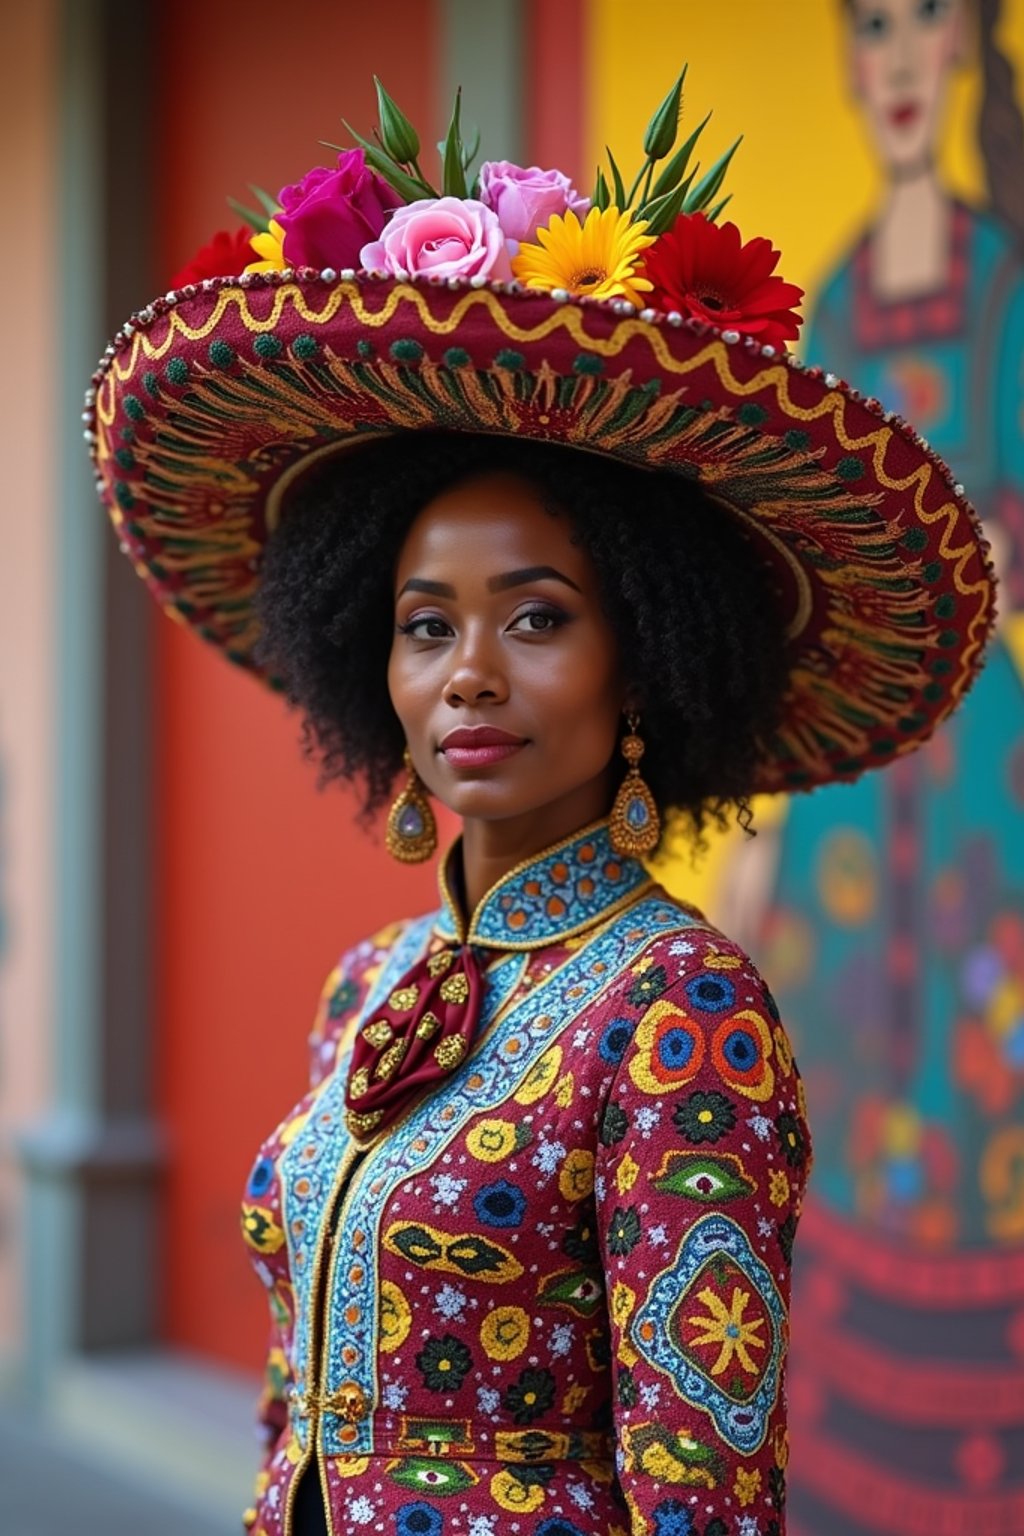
(904, 113)
(480, 736)
(479, 746)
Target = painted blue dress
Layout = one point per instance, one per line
(896, 946)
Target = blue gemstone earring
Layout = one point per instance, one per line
(411, 833)
(635, 825)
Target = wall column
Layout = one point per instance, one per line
(91, 1163)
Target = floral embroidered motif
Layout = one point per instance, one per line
(725, 1358)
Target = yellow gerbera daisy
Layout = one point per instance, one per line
(598, 257)
(270, 246)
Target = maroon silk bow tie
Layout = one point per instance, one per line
(420, 1035)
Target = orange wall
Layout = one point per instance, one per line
(262, 881)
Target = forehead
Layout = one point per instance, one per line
(489, 519)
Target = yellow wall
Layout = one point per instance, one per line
(804, 175)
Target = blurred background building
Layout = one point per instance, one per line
(173, 888)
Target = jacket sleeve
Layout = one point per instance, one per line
(341, 997)
(703, 1156)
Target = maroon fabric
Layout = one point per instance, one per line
(421, 1034)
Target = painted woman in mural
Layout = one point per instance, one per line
(897, 935)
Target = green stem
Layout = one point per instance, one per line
(648, 165)
(647, 184)
(424, 183)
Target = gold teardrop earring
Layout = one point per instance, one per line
(635, 825)
(411, 833)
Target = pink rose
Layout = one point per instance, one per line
(442, 237)
(524, 198)
(328, 216)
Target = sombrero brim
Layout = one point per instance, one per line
(211, 403)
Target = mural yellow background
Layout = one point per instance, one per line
(805, 173)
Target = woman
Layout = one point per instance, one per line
(527, 1239)
(896, 941)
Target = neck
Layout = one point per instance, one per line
(491, 848)
(910, 246)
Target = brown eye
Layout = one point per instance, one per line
(428, 628)
(537, 621)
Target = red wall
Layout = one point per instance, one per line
(262, 881)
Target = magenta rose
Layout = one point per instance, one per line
(441, 237)
(328, 216)
(525, 197)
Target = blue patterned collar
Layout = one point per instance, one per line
(559, 893)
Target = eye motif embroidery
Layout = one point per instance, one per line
(709, 1178)
(453, 1254)
(576, 1290)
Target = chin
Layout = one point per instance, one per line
(907, 150)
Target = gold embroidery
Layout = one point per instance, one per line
(360, 1126)
(391, 1060)
(359, 1083)
(427, 1026)
(441, 962)
(455, 989)
(448, 1053)
(403, 999)
(378, 1034)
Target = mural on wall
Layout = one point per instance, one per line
(895, 941)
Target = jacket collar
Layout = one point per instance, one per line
(559, 893)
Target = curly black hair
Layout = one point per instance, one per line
(688, 595)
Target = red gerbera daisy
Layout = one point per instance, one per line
(226, 255)
(705, 271)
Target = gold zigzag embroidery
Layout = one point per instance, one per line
(571, 319)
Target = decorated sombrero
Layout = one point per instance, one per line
(648, 333)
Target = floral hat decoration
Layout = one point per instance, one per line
(364, 300)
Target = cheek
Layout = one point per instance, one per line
(870, 68)
(406, 686)
(577, 689)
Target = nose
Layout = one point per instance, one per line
(476, 676)
(903, 55)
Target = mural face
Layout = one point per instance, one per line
(901, 54)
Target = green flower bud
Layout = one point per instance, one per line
(397, 134)
(663, 126)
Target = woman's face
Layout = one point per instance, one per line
(902, 53)
(504, 671)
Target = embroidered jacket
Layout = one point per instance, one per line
(552, 1298)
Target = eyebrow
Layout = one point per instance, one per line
(495, 583)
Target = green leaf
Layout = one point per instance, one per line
(716, 210)
(653, 205)
(618, 187)
(662, 214)
(393, 174)
(257, 221)
(271, 204)
(398, 135)
(664, 125)
(709, 184)
(601, 196)
(675, 170)
(453, 182)
(470, 152)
